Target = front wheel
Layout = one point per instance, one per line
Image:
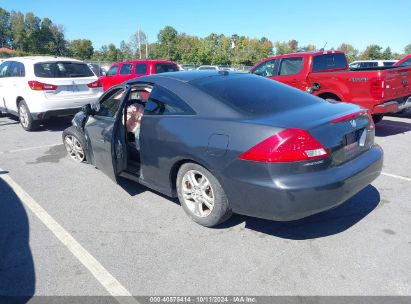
(201, 195)
(75, 143)
(26, 120)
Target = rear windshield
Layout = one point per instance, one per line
(254, 95)
(62, 70)
(329, 62)
(165, 67)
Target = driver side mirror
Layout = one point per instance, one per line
(88, 110)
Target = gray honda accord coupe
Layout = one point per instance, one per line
(225, 142)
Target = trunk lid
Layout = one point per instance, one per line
(343, 134)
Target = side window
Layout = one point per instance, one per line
(406, 62)
(141, 68)
(110, 103)
(267, 68)
(112, 71)
(291, 66)
(329, 61)
(163, 102)
(4, 69)
(17, 69)
(126, 69)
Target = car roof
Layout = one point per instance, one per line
(35, 59)
(307, 54)
(184, 76)
(145, 61)
(379, 60)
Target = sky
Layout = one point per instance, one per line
(358, 22)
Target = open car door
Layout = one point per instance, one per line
(105, 134)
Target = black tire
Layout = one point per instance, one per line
(377, 118)
(26, 120)
(77, 138)
(221, 210)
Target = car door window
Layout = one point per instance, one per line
(141, 68)
(110, 103)
(266, 69)
(406, 62)
(112, 71)
(4, 69)
(163, 102)
(17, 69)
(126, 69)
(291, 66)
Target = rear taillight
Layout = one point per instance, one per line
(354, 115)
(290, 145)
(39, 86)
(95, 84)
(377, 88)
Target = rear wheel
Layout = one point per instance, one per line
(377, 118)
(75, 143)
(201, 195)
(26, 120)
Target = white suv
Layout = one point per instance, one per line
(37, 88)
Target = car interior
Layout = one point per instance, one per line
(133, 111)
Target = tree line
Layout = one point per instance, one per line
(29, 35)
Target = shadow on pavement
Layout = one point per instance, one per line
(56, 124)
(17, 276)
(324, 224)
(134, 188)
(389, 127)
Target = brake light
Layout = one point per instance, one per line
(377, 88)
(289, 145)
(95, 84)
(354, 115)
(39, 86)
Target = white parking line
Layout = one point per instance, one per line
(110, 283)
(30, 148)
(397, 176)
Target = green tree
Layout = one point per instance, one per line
(349, 50)
(32, 30)
(5, 29)
(112, 53)
(167, 43)
(126, 52)
(18, 32)
(387, 54)
(407, 49)
(81, 48)
(286, 47)
(372, 52)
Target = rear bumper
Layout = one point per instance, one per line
(392, 106)
(295, 196)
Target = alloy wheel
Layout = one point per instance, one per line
(24, 116)
(74, 148)
(197, 193)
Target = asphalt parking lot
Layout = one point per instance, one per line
(146, 245)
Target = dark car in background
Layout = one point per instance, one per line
(123, 71)
(231, 142)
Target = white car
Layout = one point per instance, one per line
(371, 63)
(37, 88)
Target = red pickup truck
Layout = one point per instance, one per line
(381, 90)
(122, 71)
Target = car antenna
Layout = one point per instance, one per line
(323, 48)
